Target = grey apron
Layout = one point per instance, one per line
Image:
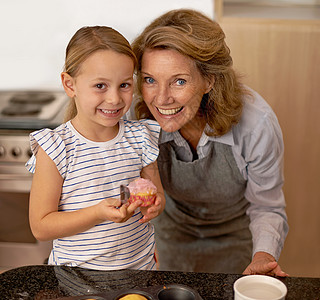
(204, 227)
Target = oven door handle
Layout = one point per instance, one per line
(15, 177)
(20, 183)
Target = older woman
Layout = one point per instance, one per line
(221, 151)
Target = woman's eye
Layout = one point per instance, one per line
(100, 86)
(180, 81)
(149, 80)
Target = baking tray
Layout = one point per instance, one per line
(164, 292)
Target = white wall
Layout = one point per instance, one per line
(35, 33)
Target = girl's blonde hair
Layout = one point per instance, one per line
(198, 37)
(85, 42)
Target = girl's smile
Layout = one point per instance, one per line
(110, 113)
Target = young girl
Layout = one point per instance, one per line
(79, 166)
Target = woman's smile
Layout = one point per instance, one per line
(169, 111)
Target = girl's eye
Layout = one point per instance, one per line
(180, 81)
(100, 86)
(124, 85)
(149, 80)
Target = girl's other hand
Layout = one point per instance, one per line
(152, 211)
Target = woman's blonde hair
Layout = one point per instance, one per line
(198, 37)
(85, 42)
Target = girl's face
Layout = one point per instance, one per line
(102, 91)
(172, 88)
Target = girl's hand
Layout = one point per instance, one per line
(264, 264)
(150, 212)
(112, 210)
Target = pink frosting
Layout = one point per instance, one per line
(142, 185)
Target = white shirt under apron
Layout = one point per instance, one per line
(93, 171)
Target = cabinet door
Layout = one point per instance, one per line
(280, 59)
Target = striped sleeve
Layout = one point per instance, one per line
(54, 146)
(150, 133)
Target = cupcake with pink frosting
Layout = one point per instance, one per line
(142, 189)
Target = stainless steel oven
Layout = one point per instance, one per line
(22, 112)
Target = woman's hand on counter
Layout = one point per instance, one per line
(264, 264)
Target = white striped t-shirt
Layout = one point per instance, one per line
(93, 171)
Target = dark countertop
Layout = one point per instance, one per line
(52, 282)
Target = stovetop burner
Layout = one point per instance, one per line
(31, 109)
(21, 109)
(40, 98)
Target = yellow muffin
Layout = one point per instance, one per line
(142, 189)
(133, 297)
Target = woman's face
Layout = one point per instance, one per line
(172, 88)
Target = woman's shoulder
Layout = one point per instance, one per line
(258, 124)
(256, 111)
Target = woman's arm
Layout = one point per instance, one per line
(151, 172)
(47, 223)
(262, 149)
